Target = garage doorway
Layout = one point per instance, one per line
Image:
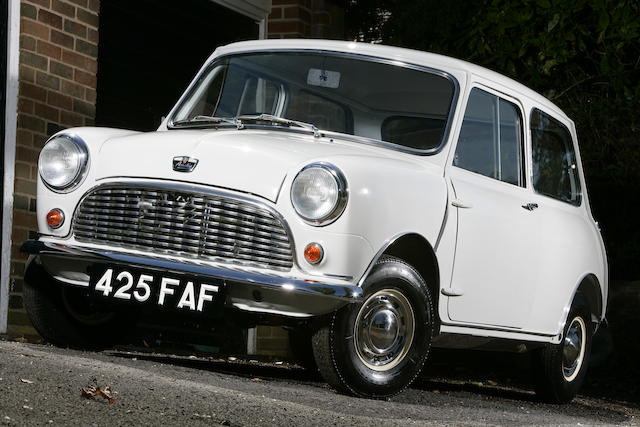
(150, 50)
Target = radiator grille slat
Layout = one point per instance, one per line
(209, 227)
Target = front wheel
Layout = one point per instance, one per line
(376, 348)
(560, 369)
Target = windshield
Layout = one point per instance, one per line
(337, 93)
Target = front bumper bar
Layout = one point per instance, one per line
(246, 290)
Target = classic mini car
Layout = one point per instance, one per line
(376, 200)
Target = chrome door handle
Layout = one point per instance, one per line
(530, 206)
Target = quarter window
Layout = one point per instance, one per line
(555, 169)
(490, 141)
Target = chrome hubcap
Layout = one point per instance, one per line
(573, 349)
(384, 330)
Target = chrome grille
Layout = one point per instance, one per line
(194, 225)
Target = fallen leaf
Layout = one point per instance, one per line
(22, 380)
(257, 380)
(90, 392)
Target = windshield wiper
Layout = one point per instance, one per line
(209, 119)
(279, 120)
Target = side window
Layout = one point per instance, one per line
(490, 141)
(555, 170)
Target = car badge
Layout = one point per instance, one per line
(184, 163)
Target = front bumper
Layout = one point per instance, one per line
(247, 290)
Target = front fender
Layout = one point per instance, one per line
(388, 196)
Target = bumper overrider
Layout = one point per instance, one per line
(245, 289)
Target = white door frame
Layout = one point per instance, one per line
(11, 109)
(255, 9)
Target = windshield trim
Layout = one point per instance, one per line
(355, 138)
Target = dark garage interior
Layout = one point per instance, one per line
(142, 71)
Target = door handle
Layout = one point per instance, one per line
(530, 206)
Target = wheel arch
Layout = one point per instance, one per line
(590, 290)
(416, 250)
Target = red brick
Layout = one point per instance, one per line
(27, 74)
(297, 13)
(28, 11)
(33, 60)
(47, 80)
(71, 119)
(33, 92)
(94, 5)
(75, 28)
(25, 154)
(86, 79)
(47, 112)
(90, 95)
(73, 89)
(88, 18)
(33, 123)
(24, 137)
(59, 100)
(276, 13)
(82, 3)
(61, 39)
(34, 28)
(60, 69)
(43, 3)
(27, 42)
(92, 35)
(48, 49)
(25, 106)
(24, 219)
(49, 18)
(64, 8)
(75, 59)
(286, 27)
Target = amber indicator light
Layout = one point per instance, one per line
(55, 218)
(313, 253)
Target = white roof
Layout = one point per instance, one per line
(432, 60)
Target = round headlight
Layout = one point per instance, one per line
(62, 162)
(319, 193)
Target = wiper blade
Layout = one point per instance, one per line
(209, 119)
(280, 120)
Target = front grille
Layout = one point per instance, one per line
(208, 227)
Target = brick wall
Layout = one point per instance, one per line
(306, 19)
(58, 66)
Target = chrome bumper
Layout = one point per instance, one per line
(246, 290)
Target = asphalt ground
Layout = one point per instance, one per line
(41, 385)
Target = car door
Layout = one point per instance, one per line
(495, 265)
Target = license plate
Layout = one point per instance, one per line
(157, 288)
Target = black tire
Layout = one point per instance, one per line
(51, 309)
(344, 363)
(553, 382)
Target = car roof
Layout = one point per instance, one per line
(417, 57)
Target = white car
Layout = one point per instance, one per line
(377, 200)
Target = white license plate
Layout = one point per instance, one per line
(144, 287)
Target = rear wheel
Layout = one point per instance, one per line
(65, 316)
(560, 369)
(376, 348)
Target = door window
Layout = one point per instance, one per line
(490, 141)
(555, 169)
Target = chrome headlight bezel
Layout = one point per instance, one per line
(80, 173)
(342, 197)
